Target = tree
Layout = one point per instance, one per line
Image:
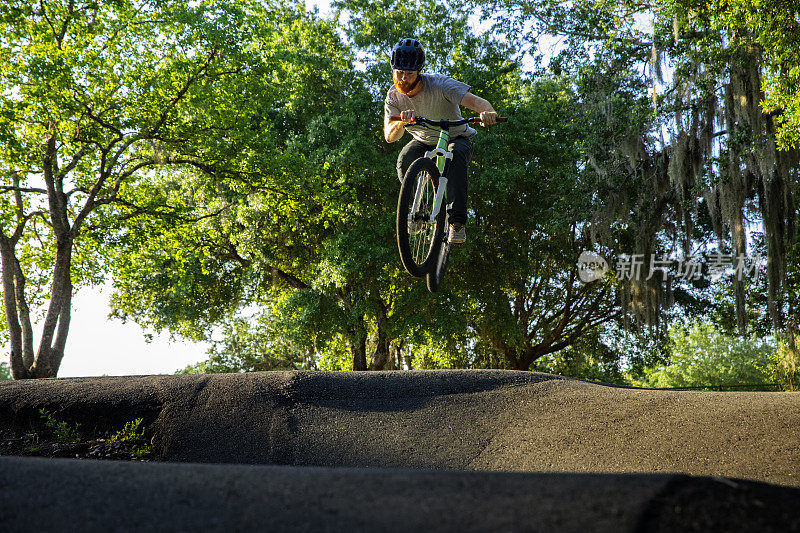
(99, 97)
(307, 236)
(709, 142)
(532, 212)
(702, 356)
(591, 357)
(772, 28)
(244, 348)
(291, 205)
(312, 247)
(525, 192)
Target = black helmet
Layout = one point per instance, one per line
(408, 55)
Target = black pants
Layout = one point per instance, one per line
(457, 172)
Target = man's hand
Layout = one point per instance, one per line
(409, 116)
(479, 105)
(393, 129)
(488, 118)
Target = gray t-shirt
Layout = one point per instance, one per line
(439, 99)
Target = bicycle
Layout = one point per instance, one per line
(421, 221)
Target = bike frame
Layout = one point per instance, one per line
(442, 157)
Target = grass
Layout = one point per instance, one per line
(50, 436)
(64, 432)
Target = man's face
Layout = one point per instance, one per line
(405, 80)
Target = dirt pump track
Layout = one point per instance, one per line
(445, 450)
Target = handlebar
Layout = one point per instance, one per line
(446, 124)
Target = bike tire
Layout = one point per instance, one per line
(417, 250)
(435, 278)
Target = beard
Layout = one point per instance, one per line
(405, 87)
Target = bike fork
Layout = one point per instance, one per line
(442, 157)
(437, 204)
(417, 200)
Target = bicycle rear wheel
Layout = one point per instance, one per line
(435, 277)
(417, 232)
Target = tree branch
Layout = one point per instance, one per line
(8, 188)
(177, 98)
(49, 22)
(556, 30)
(58, 208)
(72, 164)
(65, 25)
(289, 279)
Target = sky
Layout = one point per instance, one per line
(99, 346)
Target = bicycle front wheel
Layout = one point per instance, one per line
(417, 231)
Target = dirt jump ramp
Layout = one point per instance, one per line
(410, 451)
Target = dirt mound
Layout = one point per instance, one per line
(610, 453)
(460, 420)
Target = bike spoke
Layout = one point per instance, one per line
(421, 251)
(425, 209)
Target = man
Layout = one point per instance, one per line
(435, 97)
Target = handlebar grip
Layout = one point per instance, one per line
(477, 118)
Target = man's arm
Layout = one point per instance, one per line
(393, 130)
(479, 105)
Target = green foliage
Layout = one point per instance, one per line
(5, 372)
(252, 346)
(114, 104)
(302, 230)
(132, 435)
(588, 358)
(702, 356)
(788, 364)
(772, 27)
(64, 432)
(336, 355)
(251, 198)
(298, 215)
(133, 431)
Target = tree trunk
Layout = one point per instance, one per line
(740, 245)
(19, 370)
(525, 359)
(56, 322)
(514, 360)
(358, 345)
(381, 356)
(521, 359)
(397, 355)
(408, 358)
(59, 312)
(789, 363)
